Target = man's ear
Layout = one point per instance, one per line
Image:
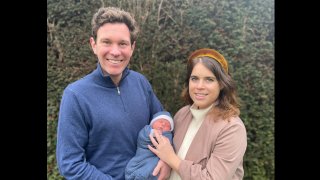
(133, 45)
(93, 44)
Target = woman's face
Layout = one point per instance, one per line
(204, 88)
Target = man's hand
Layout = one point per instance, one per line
(164, 170)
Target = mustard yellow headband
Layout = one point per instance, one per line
(212, 54)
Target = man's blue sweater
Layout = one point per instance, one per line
(99, 124)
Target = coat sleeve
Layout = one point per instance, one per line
(225, 157)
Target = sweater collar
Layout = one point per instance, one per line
(199, 114)
(105, 79)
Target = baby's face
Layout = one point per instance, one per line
(162, 125)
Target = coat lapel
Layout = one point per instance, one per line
(183, 127)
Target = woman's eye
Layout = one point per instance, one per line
(193, 78)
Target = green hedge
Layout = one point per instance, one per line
(243, 31)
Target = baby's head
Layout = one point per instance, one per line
(162, 121)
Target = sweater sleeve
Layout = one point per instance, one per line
(226, 156)
(72, 137)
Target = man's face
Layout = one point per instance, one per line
(113, 48)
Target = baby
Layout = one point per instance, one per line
(142, 164)
(162, 121)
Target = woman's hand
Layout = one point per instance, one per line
(164, 150)
(164, 170)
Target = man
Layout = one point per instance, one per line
(101, 114)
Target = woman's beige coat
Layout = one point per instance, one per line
(216, 151)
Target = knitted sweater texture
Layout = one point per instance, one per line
(99, 124)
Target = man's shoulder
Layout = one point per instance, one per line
(80, 83)
(136, 73)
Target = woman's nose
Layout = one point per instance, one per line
(200, 84)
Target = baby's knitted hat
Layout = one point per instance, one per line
(162, 114)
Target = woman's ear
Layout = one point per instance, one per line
(221, 86)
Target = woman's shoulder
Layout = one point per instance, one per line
(182, 111)
(236, 120)
(220, 123)
(234, 123)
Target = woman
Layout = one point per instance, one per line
(209, 137)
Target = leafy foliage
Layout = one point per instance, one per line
(243, 31)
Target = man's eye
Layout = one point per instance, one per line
(123, 44)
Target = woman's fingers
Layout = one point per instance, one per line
(154, 142)
(161, 139)
(156, 134)
(152, 149)
(158, 141)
